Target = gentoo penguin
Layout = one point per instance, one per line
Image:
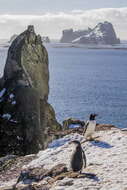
(90, 126)
(78, 158)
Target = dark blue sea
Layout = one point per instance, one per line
(84, 81)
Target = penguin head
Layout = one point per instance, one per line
(92, 116)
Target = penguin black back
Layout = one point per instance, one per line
(77, 157)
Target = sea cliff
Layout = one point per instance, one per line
(25, 114)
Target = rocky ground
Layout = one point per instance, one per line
(106, 165)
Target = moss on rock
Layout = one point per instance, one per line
(24, 111)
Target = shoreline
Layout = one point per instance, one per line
(97, 47)
(82, 46)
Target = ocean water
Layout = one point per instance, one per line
(84, 81)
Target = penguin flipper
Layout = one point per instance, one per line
(85, 128)
(84, 158)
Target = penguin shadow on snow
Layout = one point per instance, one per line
(101, 144)
(89, 130)
(89, 176)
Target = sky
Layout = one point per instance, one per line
(50, 17)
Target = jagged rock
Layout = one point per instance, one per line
(6, 161)
(68, 122)
(104, 127)
(71, 125)
(10, 167)
(38, 174)
(103, 33)
(38, 177)
(45, 39)
(12, 38)
(25, 113)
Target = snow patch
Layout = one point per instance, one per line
(11, 96)
(2, 92)
(73, 126)
(19, 138)
(59, 152)
(64, 140)
(6, 116)
(107, 159)
(13, 121)
(13, 103)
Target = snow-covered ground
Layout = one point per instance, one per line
(106, 158)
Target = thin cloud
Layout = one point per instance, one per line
(52, 24)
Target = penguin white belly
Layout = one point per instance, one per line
(90, 129)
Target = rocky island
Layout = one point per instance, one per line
(102, 33)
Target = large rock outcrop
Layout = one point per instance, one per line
(25, 114)
(103, 33)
